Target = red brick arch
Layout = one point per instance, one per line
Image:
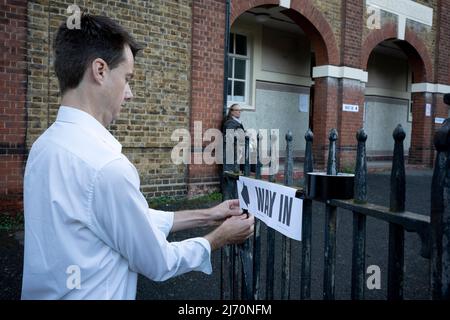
(413, 46)
(310, 19)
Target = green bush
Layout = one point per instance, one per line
(11, 223)
(184, 202)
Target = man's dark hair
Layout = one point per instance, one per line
(75, 49)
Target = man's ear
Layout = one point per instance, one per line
(99, 68)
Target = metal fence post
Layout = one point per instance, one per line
(245, 248)
(247, 156)
(226, 283)
(235, 155)
(285, 241)
(440, 216)
(234, 268)
(308, 166)
(359, 220)
(331, 166)
(396, 232)
(270, 261)
(257, 234)
(330, 227)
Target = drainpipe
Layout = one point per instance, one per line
(225, 56)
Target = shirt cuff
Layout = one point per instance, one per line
(162, 219)
(205, 266)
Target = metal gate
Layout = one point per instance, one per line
(241, 264)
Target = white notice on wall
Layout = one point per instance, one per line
(274, 204)
(350, 107)
(303, 103)
(428, 110)
(439, 120)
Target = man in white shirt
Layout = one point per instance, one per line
(88, 228)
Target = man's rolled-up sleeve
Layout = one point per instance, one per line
(121, 218)
(162, 219)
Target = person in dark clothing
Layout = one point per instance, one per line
(232, 121)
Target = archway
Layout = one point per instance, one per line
(392, 94)
(307, 17)
(284, 74)
(412, 46)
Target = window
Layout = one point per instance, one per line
(238, 69)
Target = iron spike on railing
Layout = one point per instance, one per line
(332, 167)
(286, 242)
(257, 233)
(228, 192)
(361, 168)
(397, 201)
(440, 220)
(359, 220)
(289, 162)
(247, 156)
(235, 155)
(308, 166)
(396, 232)
(272, 152)
(330, 227)
(258, 156)
(245, 249)
(270, 261)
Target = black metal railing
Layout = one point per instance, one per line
(241, 265)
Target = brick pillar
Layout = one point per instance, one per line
(208, 32)
(13, 83)
(421, 150)
(352, 26)
(440, 109)
(442, 64)
(325, 116)
(352, 91)
(349, 122)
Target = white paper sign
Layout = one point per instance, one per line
(273, 204)
(439, 120)
(303, 103)
(428, 110)
(350, 107)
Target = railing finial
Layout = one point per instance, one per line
(308, 166)
(399, 134)
(361, 135)
(361, 168)
(332, 167)
(309, 135)
(289, 162)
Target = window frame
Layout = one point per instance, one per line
(246, 104)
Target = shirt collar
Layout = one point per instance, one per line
(237, 119)
(89, 123)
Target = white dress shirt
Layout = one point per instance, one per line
(88, 228)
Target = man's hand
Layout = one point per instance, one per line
(233, 230)
(205, 217)
(224, 210)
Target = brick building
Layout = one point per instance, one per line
(292, 64)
